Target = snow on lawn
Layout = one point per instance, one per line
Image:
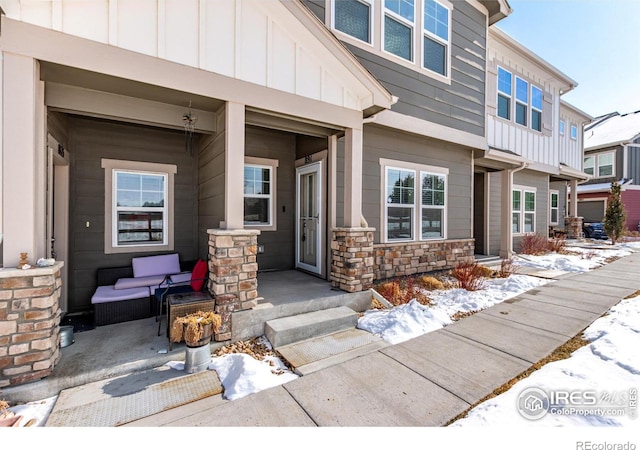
(578, 259)
(608, 369)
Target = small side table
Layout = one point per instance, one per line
(179, 305)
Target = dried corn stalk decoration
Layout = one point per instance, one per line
(191, 327)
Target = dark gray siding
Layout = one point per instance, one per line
(460, 105)
(619, 165)
(90, 140)
(633, 164)
(279, 250)
(384, 143)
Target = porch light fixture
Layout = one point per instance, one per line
(189, 120)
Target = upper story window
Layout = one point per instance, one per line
(536, 108)
(561, 128)
(399, 27)
(436, 37)
(574, 132)
(522, 101)
(413, 33)
(504, 93)
(600, 165)
(353, 17)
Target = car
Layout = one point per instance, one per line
(594, 230)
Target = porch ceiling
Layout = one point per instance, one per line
(56, 73)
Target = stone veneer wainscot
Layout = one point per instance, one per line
(29, 323)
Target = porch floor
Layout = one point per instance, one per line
(124, 348)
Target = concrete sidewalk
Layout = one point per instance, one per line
(431, 379)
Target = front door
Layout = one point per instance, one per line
(309, 230)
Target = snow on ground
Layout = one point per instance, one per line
(612, 358)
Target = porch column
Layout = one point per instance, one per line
(23, 173)
(506, 233)
(573, 212)
(234, 166)
(353, 178)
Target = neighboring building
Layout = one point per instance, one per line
(521, 180)
(612, 153)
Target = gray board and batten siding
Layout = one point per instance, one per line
(390, 144)
(633, 162)
(91, 140)
(459, 105)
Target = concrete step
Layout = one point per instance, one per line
(286, 330)
(317, 353)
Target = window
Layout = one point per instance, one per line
(400, 203)
(259, 192)
(522, 100)
(504, 94)
(435, 37)
(138, 206)
(432, 205)
(414, 199)
(553, 207)
(600, 165)
(353, 17)
(574, 132)
(523, 218)
(536, 108)
(562, 128)
(398, 28)
(413, 33)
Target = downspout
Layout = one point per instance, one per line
(507, 244)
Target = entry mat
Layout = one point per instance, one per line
(113, 411)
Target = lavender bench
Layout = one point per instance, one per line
(126, 293)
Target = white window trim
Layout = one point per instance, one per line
(596, 164)
(416, 224)
(376, 46)
(572, 128)
(430, 35)
(533, 108)
(523, 190)
(412, 26)
(443, 208)
(509, 95)
(553, 192)
(561, 127)
(516, 102)
(592, 157)
(272, 165)
(113, 165)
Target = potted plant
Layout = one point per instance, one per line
(196, 330)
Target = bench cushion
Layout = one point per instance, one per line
(128, 283)
(146, 266)
(105, 294)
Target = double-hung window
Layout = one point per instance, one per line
(432, 205)
(435, 42)
(260, 192)
(536, 108)
(562, 128)
(353, 17)
(415, 200)
(400, 196)
(138, 206)
(523, 218)
(553, 207)
(399, 17)
(522, 101)
(600, 165)
(504, 93)
(574, 132)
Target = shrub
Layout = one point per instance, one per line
(402, 291)
(506, 268)
(556, 244)
(487, 272)
(431, 283)
(533, 244)
(469, 275)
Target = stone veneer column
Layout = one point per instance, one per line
(352, 258)
(573, 227)
(29, 323)
(233, 273)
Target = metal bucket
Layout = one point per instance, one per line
(66, 336)
(197, 359)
